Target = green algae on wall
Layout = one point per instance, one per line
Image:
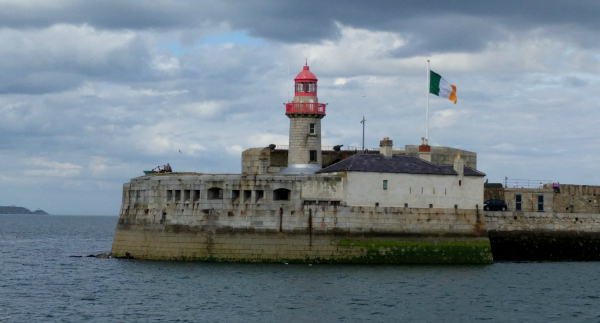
(372, 252)
(297, 248)
(421, 252)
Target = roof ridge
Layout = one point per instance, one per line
(423, 160)
(352, 161)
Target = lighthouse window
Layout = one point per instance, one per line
(311, 87)
(313, 155)
(299, 87)
(312, 128)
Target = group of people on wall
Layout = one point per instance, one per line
(165, 169)
(556, 187)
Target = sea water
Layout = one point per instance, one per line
(45, 276)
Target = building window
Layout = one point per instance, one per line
(214, 193)
(311, 128)
(405, 204)
(385, 184)
(247, 195)
(235, 194)
(313, 155)
(259, 194)
(281, 194)
(518, 202)
(540, 203)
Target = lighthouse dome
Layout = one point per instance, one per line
(305, 75)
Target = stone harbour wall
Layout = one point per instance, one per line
(544, 236)
(248, 246)
(542, 221)
(157, 222)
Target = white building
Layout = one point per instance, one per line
(407, 181)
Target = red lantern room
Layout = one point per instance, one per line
(305, 97)
(306, 83)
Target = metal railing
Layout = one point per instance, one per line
(525, 183)
(309, 108)
(357, 148)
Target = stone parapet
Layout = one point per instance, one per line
(444, 155)
(542, 222)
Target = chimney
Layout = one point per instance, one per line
(459, 165)
(425, 150)
(385, 147)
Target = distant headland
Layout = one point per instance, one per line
(19, 210)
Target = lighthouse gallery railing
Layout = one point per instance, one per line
(316, 108)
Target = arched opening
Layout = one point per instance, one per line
(281, 194)
(215, 193)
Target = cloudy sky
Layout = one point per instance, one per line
(94, 92)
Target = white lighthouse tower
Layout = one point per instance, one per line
(305, 113)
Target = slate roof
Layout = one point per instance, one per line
(394, 164)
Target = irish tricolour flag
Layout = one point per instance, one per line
(441, 87)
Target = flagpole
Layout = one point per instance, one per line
(427, 110)
(363, 142)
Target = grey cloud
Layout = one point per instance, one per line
(59, 59)
(39, 82)
(432, 26)
(574, 81)
(71, 105)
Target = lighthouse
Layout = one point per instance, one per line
(305, 113)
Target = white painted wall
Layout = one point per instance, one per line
(418, 190)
